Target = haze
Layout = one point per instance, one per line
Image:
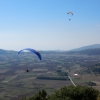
(45, 25)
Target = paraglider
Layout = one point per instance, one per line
(32, 50)
(70, 13)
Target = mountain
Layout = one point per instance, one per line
(3, 52)
(7, 52)
(88, 50)
(87, 47)
(93, 51)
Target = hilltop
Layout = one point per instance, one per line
(93, 46)
(92, 51)
(88, 50)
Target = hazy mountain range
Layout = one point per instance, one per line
(90, 50)
(93, 46)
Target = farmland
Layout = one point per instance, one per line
(15, 82)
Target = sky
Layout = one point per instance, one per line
(45, 25)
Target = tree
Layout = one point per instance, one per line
(41, 95)
(75, 93)
(69, 93)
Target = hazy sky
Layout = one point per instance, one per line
(45, 25)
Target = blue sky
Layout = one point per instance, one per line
(45, 25)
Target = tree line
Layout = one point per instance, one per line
(67, 93)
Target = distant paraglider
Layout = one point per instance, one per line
(70, 13)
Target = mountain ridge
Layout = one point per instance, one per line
(86, 47)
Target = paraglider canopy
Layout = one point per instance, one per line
(70, 13)
(32, 50)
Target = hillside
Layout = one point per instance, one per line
(93, 51)
(93, 46)
(94, 69)
(3, 52)
(67, 93)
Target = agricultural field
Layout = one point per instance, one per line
(15, 82)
